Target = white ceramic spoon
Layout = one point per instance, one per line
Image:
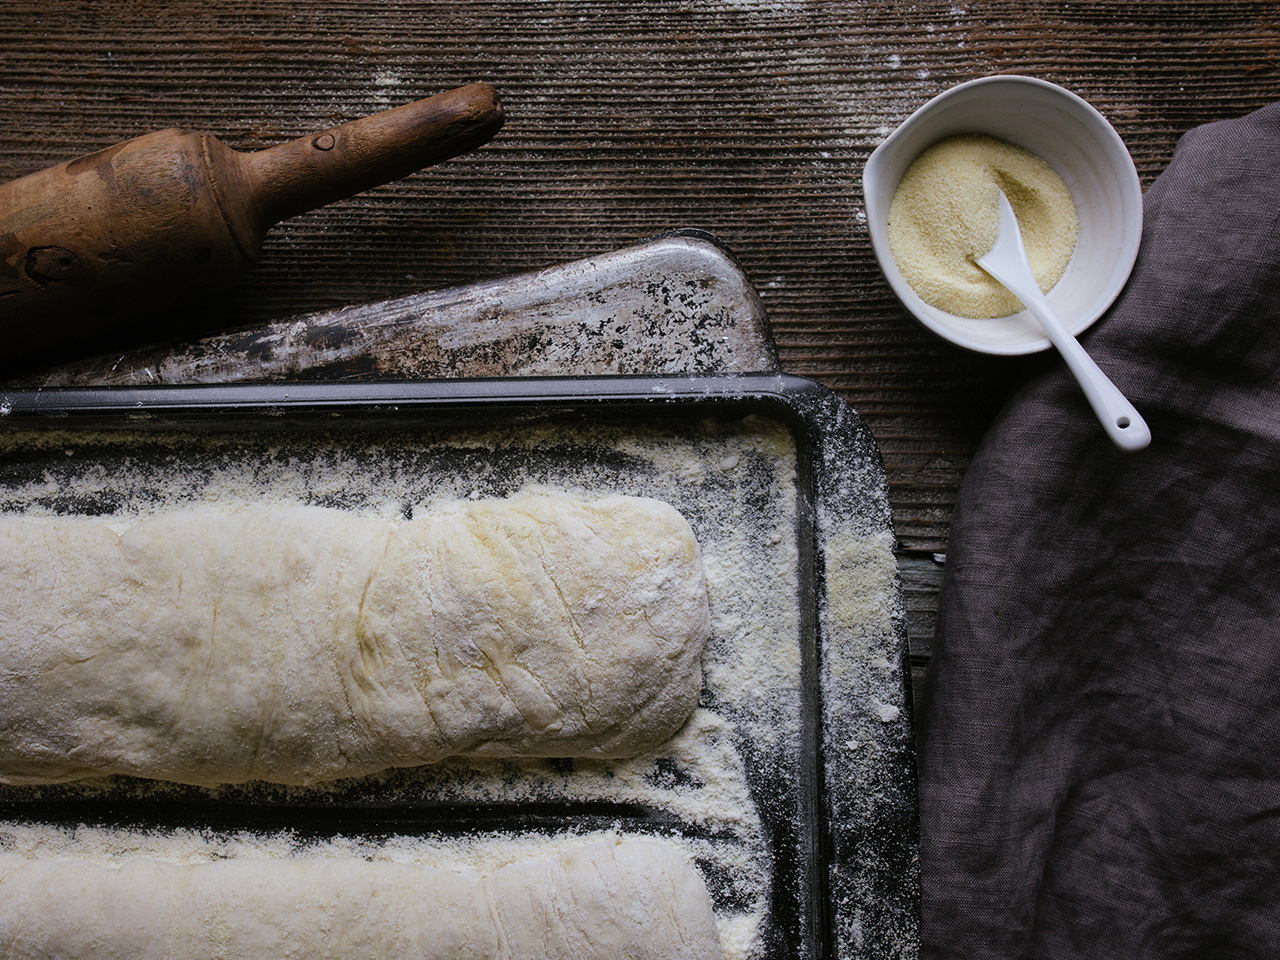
(1007, 262)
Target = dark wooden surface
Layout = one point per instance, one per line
(747, 118)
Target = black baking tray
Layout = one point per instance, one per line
(838, 813)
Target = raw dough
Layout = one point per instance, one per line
(303, 644)
(636, 900)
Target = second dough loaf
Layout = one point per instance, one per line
(635, 900)
(303, 644)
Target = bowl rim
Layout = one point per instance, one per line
(877, 213)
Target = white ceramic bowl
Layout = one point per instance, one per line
(1081, 147)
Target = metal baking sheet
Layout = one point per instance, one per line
(792, 787)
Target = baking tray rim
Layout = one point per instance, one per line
(160, 399)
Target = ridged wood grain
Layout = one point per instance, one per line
(748, 119)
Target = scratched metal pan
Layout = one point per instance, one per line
(792, 787)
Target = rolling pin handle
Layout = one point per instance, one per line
(309, 172)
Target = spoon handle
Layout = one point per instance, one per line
(1122, 422)
(1007, 263)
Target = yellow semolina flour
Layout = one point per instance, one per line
(945, 215)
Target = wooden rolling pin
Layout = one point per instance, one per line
(87, 246)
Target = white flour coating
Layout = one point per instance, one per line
(735, 484)
(637, 899)
(706, 784)
(862, 606)
(863, 694)
(760, 627)
(482, 853)
(860, 573)
(300, 644)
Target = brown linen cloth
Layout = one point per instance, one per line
(1100, 771)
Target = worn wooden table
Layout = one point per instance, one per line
(747, 118)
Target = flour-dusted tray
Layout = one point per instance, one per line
(792, 787)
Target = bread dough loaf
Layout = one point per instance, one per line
(304, 644)
(636, 900)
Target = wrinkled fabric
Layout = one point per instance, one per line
(1100, 762)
